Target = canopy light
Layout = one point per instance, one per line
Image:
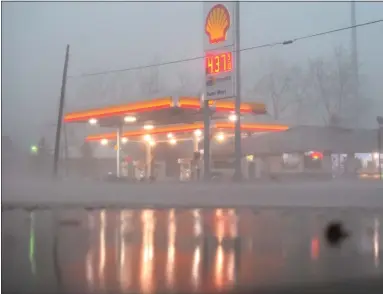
(130, 119)
(104, 142)
(148, 127)
(124, 140)
(232, 117)
(220, 137)
(170, 135)
(198, 133)
(147, 138)
(93, 121)
(172, 141)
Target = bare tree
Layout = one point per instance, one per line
(276, 87)
(188, 84)
(332, 86)
(300, 99)
(149, 80)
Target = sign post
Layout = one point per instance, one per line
(222, 80)
(237, 133)
(218, 47)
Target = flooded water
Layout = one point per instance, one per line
(124, 251)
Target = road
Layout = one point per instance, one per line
(100, 194)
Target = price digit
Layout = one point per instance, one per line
(217, 64)
(223, 56)
(229, 64)
(209, 64)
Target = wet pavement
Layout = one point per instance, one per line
(179, 250)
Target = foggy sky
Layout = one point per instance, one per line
(116, 35)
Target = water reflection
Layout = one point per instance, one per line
(315, 248)
(170, 262)
(32, 243)
(204, 250)
(102, 253)
(376, 241)
(125, 262)
(89, 272)
(197, 222)
(219, 259)
(231, 268)
(147, 251)
(196, 267)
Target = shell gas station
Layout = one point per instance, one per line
(169, 121)
(217, 118)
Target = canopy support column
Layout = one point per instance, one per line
(149, 159)
(119, 135)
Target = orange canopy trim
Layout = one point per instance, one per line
(182, 128)
(221, 105)
(252, 127)
(133, 107)
(156, 131)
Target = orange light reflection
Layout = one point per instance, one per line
(195, 267)
(218, 273)
(170, 263)
(102, 257)
(125, 253)
(146, 274)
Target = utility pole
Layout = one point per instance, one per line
(65, 149)
(379, 119)
(354, 50)
(60, 114)
(237, 144)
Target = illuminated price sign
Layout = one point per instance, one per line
(218, 63)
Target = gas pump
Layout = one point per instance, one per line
(139, 170)
(185, 169)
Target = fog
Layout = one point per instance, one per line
(40, 194)
(106, 36)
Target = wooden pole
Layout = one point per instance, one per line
(60, 114)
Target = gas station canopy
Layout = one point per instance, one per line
(183, 131)
(160, 111)
(168, 120)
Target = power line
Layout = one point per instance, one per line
(286, 42)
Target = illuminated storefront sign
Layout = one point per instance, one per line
(217, 23)
(218, 47)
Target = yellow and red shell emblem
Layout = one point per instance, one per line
(217, 23)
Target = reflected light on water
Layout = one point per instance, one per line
(101, 267)
(197, 222)
(89, 270)
(218, 273)
(125, 253)
(195, 267)
(315, 248)
(376, 242)
(233, 224)
(146, 275)
(170, 262)
(220, 229)
(231, 267)
(32, 243)
(89, 266)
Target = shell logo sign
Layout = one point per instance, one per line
(217, 24)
